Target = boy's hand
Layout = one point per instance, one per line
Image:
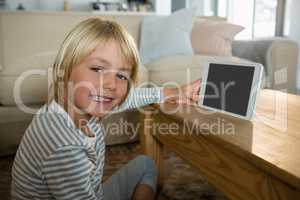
(186, 94)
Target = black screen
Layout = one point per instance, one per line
(228, 88)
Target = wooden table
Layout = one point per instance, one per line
(243, 159)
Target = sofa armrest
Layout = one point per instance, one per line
(278, 55)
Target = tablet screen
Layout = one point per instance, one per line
(228, 87)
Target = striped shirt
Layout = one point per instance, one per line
(55, 160)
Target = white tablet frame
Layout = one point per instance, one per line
(256, 85)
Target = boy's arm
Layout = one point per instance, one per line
(68, 175)
(139, 97)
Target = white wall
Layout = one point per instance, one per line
(294, 27)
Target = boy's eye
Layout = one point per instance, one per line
(97, 69)
(100, 69)
(122, 77)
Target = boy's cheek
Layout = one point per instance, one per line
(81, 97)
(123, 94)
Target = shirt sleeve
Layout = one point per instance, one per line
(68, 175)
(139, 97)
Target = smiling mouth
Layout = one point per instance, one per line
(101, 99)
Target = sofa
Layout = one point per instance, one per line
(30, 41)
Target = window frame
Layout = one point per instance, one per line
(279, 21)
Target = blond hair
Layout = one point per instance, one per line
(82, 40)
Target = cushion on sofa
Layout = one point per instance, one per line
(32, 67)
(29, 78)
(32, 90)
(166, 35)
(13, 123)
(213, 37)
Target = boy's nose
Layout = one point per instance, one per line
(109, 81)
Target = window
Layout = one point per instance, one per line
(261, 18)
(287, 18)
(241, 12)
(264, 22)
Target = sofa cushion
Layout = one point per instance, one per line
(166, 35)
(178, 70)
(25, 50)
(213, 37)
(13, 123)
(33, 90)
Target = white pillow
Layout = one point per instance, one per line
(213, 37)
(166, 35)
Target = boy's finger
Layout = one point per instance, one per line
(195, 97)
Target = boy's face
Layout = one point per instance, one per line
(100, 81)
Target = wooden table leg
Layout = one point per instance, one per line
(150, 146)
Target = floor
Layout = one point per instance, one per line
(182, 181)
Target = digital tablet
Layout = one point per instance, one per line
(231, 88)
